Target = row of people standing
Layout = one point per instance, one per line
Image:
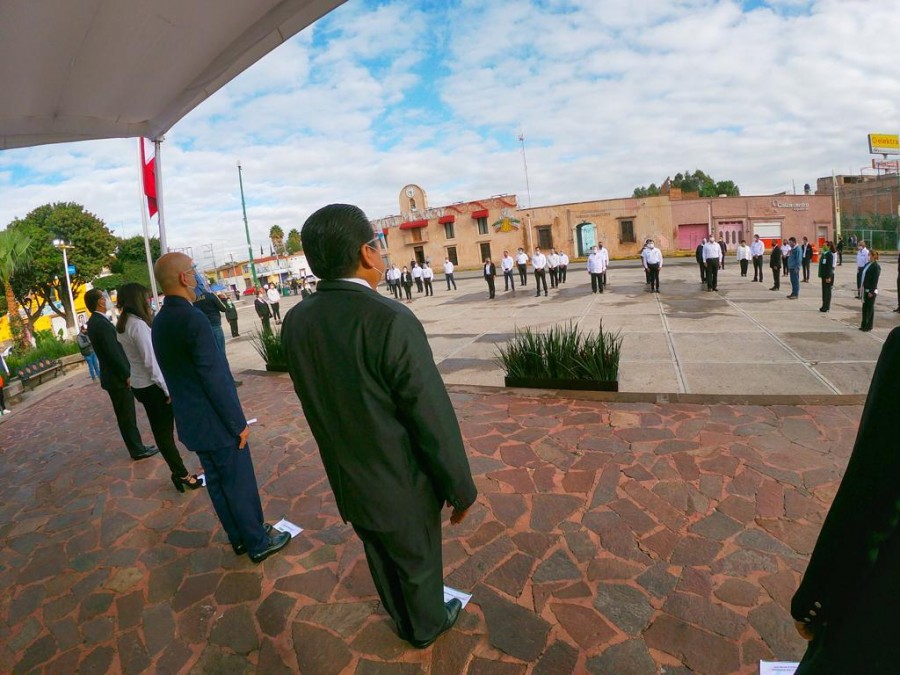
(556, 264)
(400, 282)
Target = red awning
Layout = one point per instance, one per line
(480, 214)
(447, 219)
(413, 224)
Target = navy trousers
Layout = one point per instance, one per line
(231, 484)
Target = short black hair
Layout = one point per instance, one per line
(332, 237)
(91, 298)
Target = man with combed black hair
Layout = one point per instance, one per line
(378, 409)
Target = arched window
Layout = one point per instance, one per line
(412, 203)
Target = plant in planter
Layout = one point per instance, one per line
(565, 357)
(268, 345)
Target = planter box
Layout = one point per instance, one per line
(561, 383)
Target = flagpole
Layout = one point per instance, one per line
(157, 167)
(145, 222)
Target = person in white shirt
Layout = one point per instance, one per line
(785, 252)
(862, 259)
(604, 264)
(490, 271)
(539, 263)
(593, 267)
(427, 278)
(273, 297)
(563, 266)
(712, 256)
(393, 277)
(506, 264)
(448, 273)
(522, 264)
(654, 258)
(147, 383)
(743, 257)
(553, 266)
(644, 262)
(417, 276)
(757, 250)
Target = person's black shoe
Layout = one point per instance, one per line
(149, 451)
(276, 543)
(453, 608)
(822, 309)
(241, 549)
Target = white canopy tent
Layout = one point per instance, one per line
(73, 70)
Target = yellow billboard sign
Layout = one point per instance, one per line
(884, 144)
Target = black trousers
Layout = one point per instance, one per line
(712, 274)
(603, 278)
(429, 288)
(858, 279)
(806, 262)
(653, 271)
(776, 273)
(408, 570)
(596, 282)
(868, 311)
(267, 327)
(509, 281)
(162, 424)
(407, 289)
(126, 417)
(554, 277)
(419, 286)
(450, 280)
(234, 327)
(490, 283)
(523, 274)
(826, 293)
(757, 268)
(276, 311)
(540, 277)
(702, 266)
(562, 273)
(2, 400)
(744, 264)
(395, 289)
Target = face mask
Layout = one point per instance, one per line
(202, 286)
(651, 246)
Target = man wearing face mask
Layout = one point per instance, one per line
(654, 259)
(378, 409)
(208, 413)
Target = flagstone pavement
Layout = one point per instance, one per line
(608, 537)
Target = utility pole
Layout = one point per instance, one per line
(212, 253)
(247, 227)
(527, 191)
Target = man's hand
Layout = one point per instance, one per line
(458, 515)
(806, 631)
(243, 438)
(128, 382)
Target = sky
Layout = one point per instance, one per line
(609, 95)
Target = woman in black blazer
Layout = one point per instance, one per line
(406, 280)
(869, 290)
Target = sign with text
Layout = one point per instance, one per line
(884, 144)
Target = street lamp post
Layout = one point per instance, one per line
(247, 228)
(64, 246)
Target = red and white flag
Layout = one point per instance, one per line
(148, 170)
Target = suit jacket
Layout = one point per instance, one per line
(114, 367)
(262, 309)
(406, 279)
(870, 282)
(698, 253)
(826, 265)
(492, 271)
(376, 404)
(807, 252)
(207, 410)
(775, 258)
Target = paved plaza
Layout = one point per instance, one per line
(611, 534)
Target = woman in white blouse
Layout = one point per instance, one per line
(147, 383)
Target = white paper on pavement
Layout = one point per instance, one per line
(287, 526)
(777, 667)
(450, 593)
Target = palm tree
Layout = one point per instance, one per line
(14, 255)
(276, 235)
(294, 245)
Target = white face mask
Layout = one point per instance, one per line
(651, 246)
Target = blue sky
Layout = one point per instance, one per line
(610, 95)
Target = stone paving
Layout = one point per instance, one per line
(608, 537)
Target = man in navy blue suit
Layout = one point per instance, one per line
(208, 413)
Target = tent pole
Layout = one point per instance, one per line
(160, 211)
(145, 222)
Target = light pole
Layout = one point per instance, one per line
(64, 246)
(528, 192)
(247, 228)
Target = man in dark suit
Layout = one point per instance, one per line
(490, 271)
(807, 254)
(379, 411)
(868, 286)
(775, 262)
(115, 374)
(208, 413)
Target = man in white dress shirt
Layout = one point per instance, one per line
(522, 264)
(448, 273)
(785, 252)
(563, 266)
(604, 264)
(593, 263)
(553, 266)
(862, 259)
(539, 263)
(417, 276)
(757, 250)
(712, 257)
(743, 257)
(506, 264)
(654, 259)
(427, 279)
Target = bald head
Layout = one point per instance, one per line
(169, 269)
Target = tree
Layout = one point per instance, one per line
(44, 280)
(294, 245)
(15, 253)
(130, 263)
(697, 181)
(276, 235)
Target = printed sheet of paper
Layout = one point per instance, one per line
(777, 667)
(287, 526)
(450, 593)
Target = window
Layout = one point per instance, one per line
(417, 234)
(545, 238)
(451, 254)
(485, 250)
(626, 232)
(448, 231)
(412, 204)
(419, 254)
(482, 225)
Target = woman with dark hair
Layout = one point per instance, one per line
(147, 383)
(868, 290)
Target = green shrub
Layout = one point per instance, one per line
(48, 347)
(563, 352)
(268, 345)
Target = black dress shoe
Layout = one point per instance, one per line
(453, 608)
(276, 543)
(149, 451)
(241, 549)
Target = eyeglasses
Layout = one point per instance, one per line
(378, 244)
